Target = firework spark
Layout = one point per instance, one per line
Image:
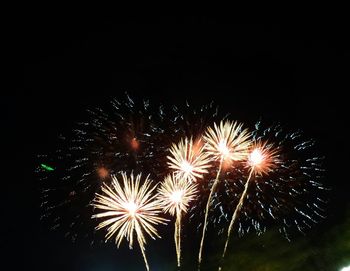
(132, 135)
(261, 160)
(175, 195)
(291, 196)
(129, 209)
(290, 193)
(226, 142)
(125, 134)
(188, 160)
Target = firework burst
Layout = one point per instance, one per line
(123, 135)
(262, 158)
(256, 185)
(175, 195)
(226, 142)
(127, 210)
(285, 187)
(291, 195)
(188, 160)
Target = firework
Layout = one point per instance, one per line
(291, 195)
(261, 160)
(175, 195)
(188, 160)
(123, 135)
(127, 210)
(285, 189)
(276, 183)
(226, 142)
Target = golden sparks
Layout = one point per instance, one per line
(128, 209)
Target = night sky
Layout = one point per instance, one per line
(60, 66)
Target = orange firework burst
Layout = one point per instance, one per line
(135, 144)
(175, 196)
(261, 160)
(188, 160)
(129, 209)
(102, 172)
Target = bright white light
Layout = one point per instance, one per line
(347, 268)
(176, 196)
(131, 207)
(222, 147)
(256, 157)
(186, 167)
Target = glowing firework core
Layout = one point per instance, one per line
(135, 144)
(223, 149)
(189, 162)
(176, 196)
(186, 167)
(256, 157)
(131, 207)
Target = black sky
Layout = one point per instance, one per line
(297, 75)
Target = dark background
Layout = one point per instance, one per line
(59, 66)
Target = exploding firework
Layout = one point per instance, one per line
(262, 158)
(295, 180)
(285, 191)
(175, 195)
(123, 136)
(129, 209)
(258, 185)
(188, 160)
(292, 194)
(226, 142)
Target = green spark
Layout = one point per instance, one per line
(46, 167)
